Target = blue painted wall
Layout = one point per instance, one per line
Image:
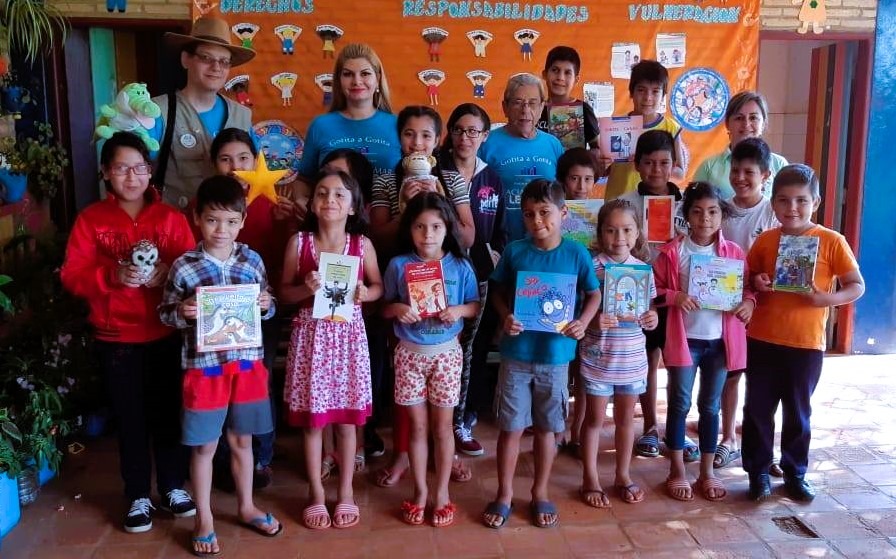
(875, 324)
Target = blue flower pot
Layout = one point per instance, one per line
(10, 511)
(14, 186)
(44, 473)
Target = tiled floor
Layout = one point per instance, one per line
(853, 466)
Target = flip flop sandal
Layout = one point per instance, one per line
(411, 513)
(709, 483)
(384, 475)
(360, 462)
(327, 467)
(628, 493)
(592, 496)
(775, 470)
(447, 513)
(537, 508)
(497, 509)
(257, 524)
(690, 452)
(346, 509)
(724, 456)
(648, 444)
(459, 471)
(316, 511)
(211, 538)
(672, 485)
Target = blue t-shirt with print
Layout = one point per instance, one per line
(519, 161)
(375, 137)
(569, 257)
(460, 288)
(212, 120)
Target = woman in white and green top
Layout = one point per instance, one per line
(745, 117)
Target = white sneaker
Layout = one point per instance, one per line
(179, 503)
(139, 518)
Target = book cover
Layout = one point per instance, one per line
(627, 292)
(716, 283)
(228, 317)
(659, 218)
(426, 287)
(795, 265)
(335, 300)
(619, 136)
(567, 123)
(580, 223)
(544, 301)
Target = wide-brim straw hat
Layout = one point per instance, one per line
(211, 31)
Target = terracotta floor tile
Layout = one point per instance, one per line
(146, 550)
(813, 549)
(527, 540)
(737, 551)
(865, 548)
(475, 541)
(858, 498)
(841, 525)
(882, 521)
(604, 538)
(659, 534)
(878, 474)
(720, 529)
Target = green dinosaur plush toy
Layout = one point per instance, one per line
(133, 111)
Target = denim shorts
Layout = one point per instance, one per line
(532, 394)
(598, 388)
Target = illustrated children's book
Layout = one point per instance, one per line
(627, 292)
(580, 222)
(544, 302)
(567, 123)
(335, 300)
(795, 266)
(426, 287)
(659, 218)
(716, 283)
(619, 136)
(228, 317)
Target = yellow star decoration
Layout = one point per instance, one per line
(261, 181)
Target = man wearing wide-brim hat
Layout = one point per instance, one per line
(199, 110)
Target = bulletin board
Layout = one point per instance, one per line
(710, 48)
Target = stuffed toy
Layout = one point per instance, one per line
(418, 168)
(133, 111)
(145, 255)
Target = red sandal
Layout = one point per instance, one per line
(446, 513)
(411, 513)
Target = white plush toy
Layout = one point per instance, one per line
(145, 255)
(418, 169)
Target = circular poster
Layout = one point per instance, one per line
(699, 98)
(282, 147)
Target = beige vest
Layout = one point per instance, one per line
(190, 159)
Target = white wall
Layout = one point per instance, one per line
(784, 70)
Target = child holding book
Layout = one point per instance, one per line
(614, 358)
(328, 365)
(712, 340)
(139, 357)
(647, 87)
(562, 70)
(750, 168)
(532, 381)
(786, 341)
(429, 359)
(220, 386)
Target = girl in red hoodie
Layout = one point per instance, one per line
(138, 355)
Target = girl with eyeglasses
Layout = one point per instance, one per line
(139, 356)
(468, 127)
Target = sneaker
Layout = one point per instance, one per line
(179, 503)
(262, 477)
(374, 447)
(139, 518)
(464, 441)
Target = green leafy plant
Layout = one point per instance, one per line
(10, 438)
(42, 158)
(31, 27)
(41, 422)
(5, 301)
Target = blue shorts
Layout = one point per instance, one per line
(598, 388)
(532, 394)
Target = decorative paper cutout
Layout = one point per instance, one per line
(245, 32)
(480, 40)
(282, 147)
(287, 35)
(434, 37)
(285, 81)
(526, 38)
(325, 83)
(479, 78)
(812, 12)
(203, 8)
(699, 98)
(432, 79)
(261, 181)
(239, 87)
(329, 34)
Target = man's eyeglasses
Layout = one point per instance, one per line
(524, 103)
(468, 132)
(122, 170)
(211, 60)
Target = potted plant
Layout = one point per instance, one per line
(38, 163)
(30, 28)
(13, 171)
(10, 438)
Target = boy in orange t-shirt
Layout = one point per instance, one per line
(786, 337)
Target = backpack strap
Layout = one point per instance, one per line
(158, 178)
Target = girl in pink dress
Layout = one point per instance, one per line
(328, 369)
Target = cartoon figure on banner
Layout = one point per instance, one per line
(664, 58)
(479, 78)
(480, 40)
(812, 12)
(526, 38)
(245, 32)
(287, 35)
(203, 8)
(432, 79)
(120, 5)
(434, 37)
(325, 83)
(329, 34)
(676, 56)
(239, 87)
(285, 81)
(698, 99)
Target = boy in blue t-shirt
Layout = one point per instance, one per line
(532, 383)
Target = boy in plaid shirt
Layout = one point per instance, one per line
(220, 385)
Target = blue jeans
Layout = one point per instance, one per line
(709, 356)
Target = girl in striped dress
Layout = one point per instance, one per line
(614, 359)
